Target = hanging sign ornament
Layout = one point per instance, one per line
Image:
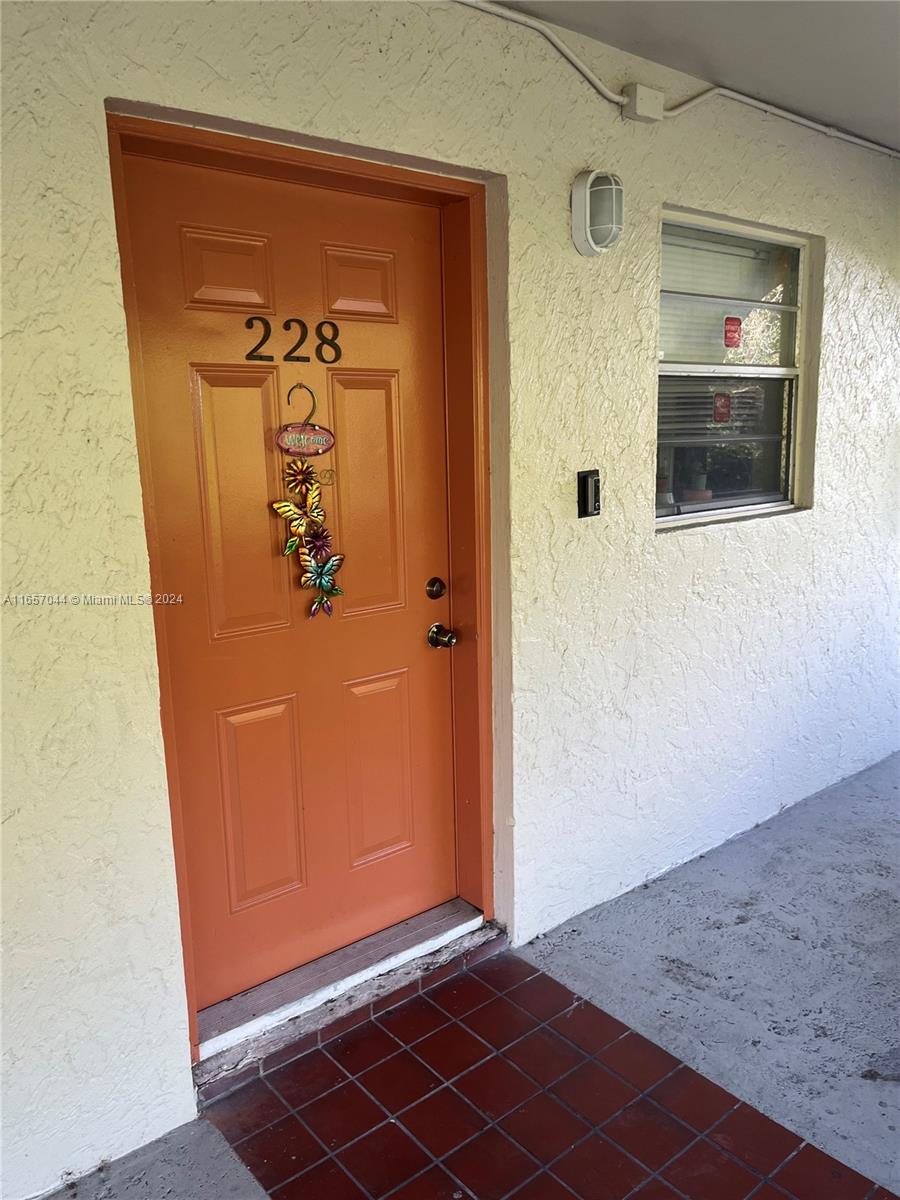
(304, 440)
(305, 516)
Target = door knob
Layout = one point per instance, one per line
(439, 636)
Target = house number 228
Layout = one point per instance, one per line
(328, 348)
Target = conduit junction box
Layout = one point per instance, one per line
(643, 103)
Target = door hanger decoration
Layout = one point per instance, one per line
(305, 516)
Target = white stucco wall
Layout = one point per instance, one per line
(668, 690)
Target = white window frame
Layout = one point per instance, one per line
(800, 468)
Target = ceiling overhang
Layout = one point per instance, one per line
(834, 61)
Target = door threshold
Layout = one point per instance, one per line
(230, 1022)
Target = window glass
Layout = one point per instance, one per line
(725, 331)
(692, 406)
(705, 263)
(721, 474)
(727, 301)
(721, 442)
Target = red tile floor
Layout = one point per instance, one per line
(492, 1080)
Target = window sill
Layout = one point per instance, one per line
(726, 515)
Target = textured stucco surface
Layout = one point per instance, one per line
(668, 691)
(772, 965)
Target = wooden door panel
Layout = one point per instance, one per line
(236, 413)
(261, 800)
(359, 283)
(366, 419)
(377, 753)
(227, 269)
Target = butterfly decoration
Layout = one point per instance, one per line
(321, 576)
(305, 516)
(308, 536)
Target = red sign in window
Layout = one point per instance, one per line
(722, 406)
(732, 331)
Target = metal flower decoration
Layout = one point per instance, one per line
(309, 537)
(319, 543)
(299, 475)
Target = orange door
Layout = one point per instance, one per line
(313, 757)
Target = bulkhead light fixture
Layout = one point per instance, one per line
(597, 212)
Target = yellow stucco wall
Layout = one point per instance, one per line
(668, 691)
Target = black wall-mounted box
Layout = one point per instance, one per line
(588, 493)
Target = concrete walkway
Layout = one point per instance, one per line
(193, 1162)
(772, 965)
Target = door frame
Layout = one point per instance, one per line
(464, 286)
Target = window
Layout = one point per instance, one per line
(728, 372)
